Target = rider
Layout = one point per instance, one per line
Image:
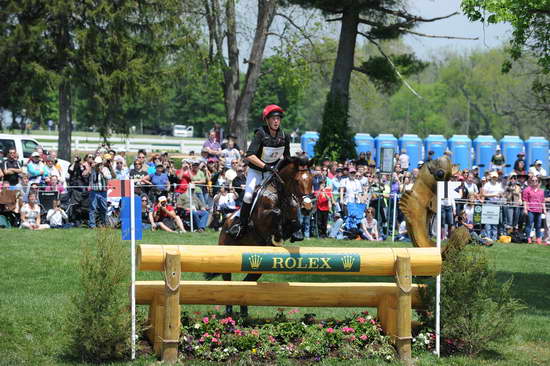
(269, 145)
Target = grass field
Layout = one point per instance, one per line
(38, 274)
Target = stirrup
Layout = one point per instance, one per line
(237, 231)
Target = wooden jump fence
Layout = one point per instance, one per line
(394, 301)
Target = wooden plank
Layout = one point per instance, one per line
(404, 283)
(301, 294)
(290, 260)
(171, 331)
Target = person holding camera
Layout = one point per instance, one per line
(165, 217)
(100, 175)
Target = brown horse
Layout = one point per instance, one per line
(273, 214)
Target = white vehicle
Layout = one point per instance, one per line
(182, 131)
(24, 145)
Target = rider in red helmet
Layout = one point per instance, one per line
(269, 145)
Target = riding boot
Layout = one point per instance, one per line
(240, 228)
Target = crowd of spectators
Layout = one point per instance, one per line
(179, 193)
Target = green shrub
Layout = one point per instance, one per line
(99, 321)
(476, 310)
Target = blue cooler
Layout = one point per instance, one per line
(511, 146)
(363, 143)
(461, 149)
(484, 147)
(413, 145)
(536, 148)
(435, 143)
(308, 142)
(384, 140)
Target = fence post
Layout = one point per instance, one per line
(171, 332)
(403, 276)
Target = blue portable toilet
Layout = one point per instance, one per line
(536, 148)
(384, 140)
(511, 146)
(413, 145)
(308, 142)
(484, 147)
(435, 143)
(461, 149)
(363, 143)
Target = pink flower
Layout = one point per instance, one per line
(365, 312)
(201, 339)
(215, 340)
(372, 321)
(213, 316)
(330, 330)
(254, 332)
(348, 330)
(293, 311)
(228, 320)
(352, 338)
(217, 307)
(238, 332)
(361, 320)
(364, 337)
(271, 339)
(206, 335)
(205, 320)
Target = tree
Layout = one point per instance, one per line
(108, 48)
(222, 25)
(530, 20)
(386, 19)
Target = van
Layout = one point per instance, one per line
(182, 131)
(25, 146)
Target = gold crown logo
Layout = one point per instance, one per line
(255, 261)
(347, 261)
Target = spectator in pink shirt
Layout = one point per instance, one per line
(533, 207)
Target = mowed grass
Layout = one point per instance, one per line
(39, 274)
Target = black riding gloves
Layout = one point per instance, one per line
(269, 168)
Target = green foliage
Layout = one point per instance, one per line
(476, 310)
(335, 140)
(530, 20)
(99, 321)
(382, 73)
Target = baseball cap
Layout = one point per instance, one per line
(538, 162)
(162, 198)
(36, 153)
(475, 167)
(493, 175)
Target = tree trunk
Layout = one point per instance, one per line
(65, 128)
(339, 87)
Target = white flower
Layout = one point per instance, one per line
(426, 341)
(226, 349)
(369, 317)
(197, 325)
(388, 357)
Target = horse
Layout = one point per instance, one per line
(274, 213)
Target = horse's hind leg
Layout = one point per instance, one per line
(249, 277)
(228, 308)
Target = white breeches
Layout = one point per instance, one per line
(253, 178)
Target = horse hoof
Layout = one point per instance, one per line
(296, 237)
(277, 243)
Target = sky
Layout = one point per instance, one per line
(490, 36)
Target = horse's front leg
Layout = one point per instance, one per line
(228, 308)
(293, 217)
(249, 277)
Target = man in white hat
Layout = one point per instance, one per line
(537, 170)
(492, 191)
(36, 169)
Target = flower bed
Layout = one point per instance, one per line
(216, 337)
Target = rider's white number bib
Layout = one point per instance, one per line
(272, 154)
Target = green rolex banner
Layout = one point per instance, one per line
(320, 262)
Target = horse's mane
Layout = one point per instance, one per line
(297, 160)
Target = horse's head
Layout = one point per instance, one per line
(297, 178)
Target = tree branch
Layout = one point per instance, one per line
(413, 18)
(437, 36)
(415, 93)
(333, 19)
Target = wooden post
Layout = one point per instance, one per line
(171, 331)
(403, 278)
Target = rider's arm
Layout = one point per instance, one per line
(256, 161)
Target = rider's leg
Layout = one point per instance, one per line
(240, 227)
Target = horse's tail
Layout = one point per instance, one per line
(211, 276)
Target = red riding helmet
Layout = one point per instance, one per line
(272, 110)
